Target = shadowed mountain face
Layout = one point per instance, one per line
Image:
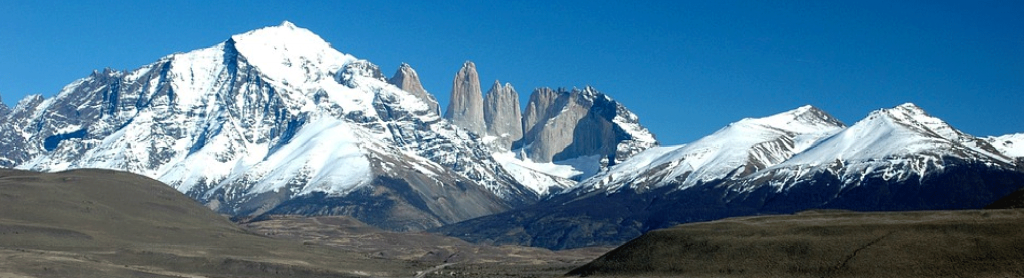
(827, 244)
(103, 223)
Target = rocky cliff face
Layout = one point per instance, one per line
(466, 107)
(502, 116)
(562, 125)
(407, 80)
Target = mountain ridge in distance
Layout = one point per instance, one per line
(767, 169)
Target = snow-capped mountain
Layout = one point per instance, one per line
(892, 144)
(272, 120)
(565, 135)
(1011, 145)
(737, 150)
(894, 159)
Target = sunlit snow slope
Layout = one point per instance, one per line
(257, 122)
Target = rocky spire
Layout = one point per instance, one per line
(502, 116)
(407, 80)
(465, 107)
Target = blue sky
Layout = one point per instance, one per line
(687, 68)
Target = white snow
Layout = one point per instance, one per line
(894, 144)
(204, 134)
(751, 142)
(289, 54)
(885, 133)
(326, 152)
(541, 178)
(1011, 145)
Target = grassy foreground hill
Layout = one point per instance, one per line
(102, 223)
(976, 243)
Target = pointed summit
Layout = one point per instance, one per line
(288, 24)
(292, 54)
(913, 117)
(502, 116)
(900, 131)
(407, 80)
(465, 107)
(803, 119)
(738, 149)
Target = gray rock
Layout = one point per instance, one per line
(502, 116)
(407, 80)
(466, 105)
(563, 125)
(540, 108)
(358, 68)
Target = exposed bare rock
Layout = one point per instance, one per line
(539, 108)
(361, 68)
(563, 125)
(502, 116)
(466, 105)
(407, 80)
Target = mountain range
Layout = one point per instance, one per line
(275, 121)
(894, 159)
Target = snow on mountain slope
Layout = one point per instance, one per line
(739, 149)
(262, 118)
(895, 159)
(896, 144)
(886, 133)
(1011, 145)
(542, 178)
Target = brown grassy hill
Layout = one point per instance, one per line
(464, 259)
(973, 243)
(102, 223)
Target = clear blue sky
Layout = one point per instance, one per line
(686, 68)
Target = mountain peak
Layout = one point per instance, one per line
(288, 24)
(899, 131)
(801, 119)
(286, 33)
(502, 115)
(405, 78)
(909, 106)
(913, 117)
(293, 54)
(465, 108)
(905, 111)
